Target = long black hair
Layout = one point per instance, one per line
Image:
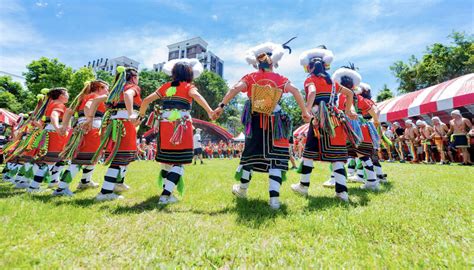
(55, 93)
(130, 72)
(181, 72)
(319, 67)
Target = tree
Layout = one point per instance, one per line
(105, 76)
(20, 99)
(213, 88)
(78, 79)
(440, 63)
(384, 94)
(8, 85)
(290, 106)
(9, 102)
(150, 80)
(47, 73)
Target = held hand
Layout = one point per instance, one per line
(211, 115)
(351, 114)
(136, 121)
(306, 116)
(218, 112)
(87, 125)
(61, 131)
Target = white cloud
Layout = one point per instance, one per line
(41, 4)
(214, 17)
(17, 33)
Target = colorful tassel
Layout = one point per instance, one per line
(246, 118)
(71, 149)
(238, 173)
(180, 185)
(117, 88)
(179, 130)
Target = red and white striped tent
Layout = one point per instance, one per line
(436, 100)
(7, 117)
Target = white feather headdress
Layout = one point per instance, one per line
(365, 86)
(326, 55)
(276, 50)
(193, 62)
(362, 86)
(341, 72)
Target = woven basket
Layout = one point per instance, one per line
(265, 98)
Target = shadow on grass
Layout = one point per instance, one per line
(358, 197)
(8, 192)
(85, 202)
(250, 212)
(151, 204)
(254, 213)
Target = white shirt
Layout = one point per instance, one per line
(389, 134)
(197, 141)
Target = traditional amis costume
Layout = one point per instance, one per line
(374, 132)
(363, 126)
(16, 167)
(83, 144)
(329, 129)
(20, 151)
(119, 134)
(50, 140)
(267, 127)
(174, 143)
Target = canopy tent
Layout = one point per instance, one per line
(240, 138)
(301, 130)
(210, 131)
(7, 117)
(436, 100)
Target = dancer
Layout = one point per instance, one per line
(267, 127)
(328, 129)
(82, 145)
(366, 150)
(375, 132)
(119, 134)
(175, 133)
(50, 141)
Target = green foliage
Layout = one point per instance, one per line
(150, 80)
(19, 100)
(384, 94)
(421, 220)
(8, 85)
(105, 76)
(213, 88)
(440, 63)
(47, 73)
(78, 79)
(9, 102)
(289, 105)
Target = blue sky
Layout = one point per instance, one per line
(373, 34)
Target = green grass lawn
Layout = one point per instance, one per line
(421, 219)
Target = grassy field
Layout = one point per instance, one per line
(421, 219)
